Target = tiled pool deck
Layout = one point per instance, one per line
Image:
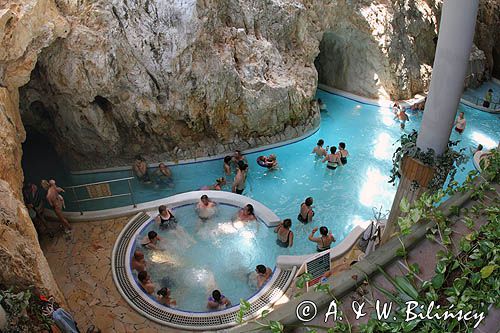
(82, 269)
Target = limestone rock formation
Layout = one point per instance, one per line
(379, 48)
(173, 80)
(25, 28)
(182, 79)
(487, 36)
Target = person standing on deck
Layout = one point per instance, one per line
(57, 202)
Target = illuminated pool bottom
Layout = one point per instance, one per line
(199, 256)
(343, 197)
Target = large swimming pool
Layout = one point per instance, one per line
(341, 197)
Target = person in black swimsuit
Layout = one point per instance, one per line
(325, 241)
(343, 153)
(306, 213)
(285, 235)
(165, 218)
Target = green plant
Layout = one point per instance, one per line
(445, 165)
(24, 313)
(491, 165)
(467, 274)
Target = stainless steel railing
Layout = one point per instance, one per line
(89, 186)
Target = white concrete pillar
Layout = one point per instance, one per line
(456, 32)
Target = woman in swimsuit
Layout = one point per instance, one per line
(325, 241)
(285, 235)
(343, 153)
(306, 213)
(218, 301)
(319, 150)
(165, 218)
(333, 159)
(150, 241)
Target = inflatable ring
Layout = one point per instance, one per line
(261, 161)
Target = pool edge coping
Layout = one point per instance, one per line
(279, 144)
(254, 298)
(261, 210)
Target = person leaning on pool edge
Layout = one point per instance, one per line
(218, 301)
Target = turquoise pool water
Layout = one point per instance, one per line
(472, 93)
(199, 256)
(341, 197)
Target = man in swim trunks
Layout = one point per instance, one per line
(460, 123)
(319, 150)
(205, 207)
(138, 261)
(403, 117)
(246, 213)
(240, 178)
(57, 202)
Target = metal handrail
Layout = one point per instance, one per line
(103, 182)
(479, 101)
(129, 193)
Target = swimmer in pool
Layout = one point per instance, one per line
(343, 153)
(218, 301)
(322, 105)
(151, 241)
(227, 165)
(263, 274)
(333, 159)
(205, 207)
(306, 212)
(165, 218)
(246, 213)
(145, 282)
(138, 261)
(271, 162)
(324, 241)
(402, 118)
(163, 297)
(319, 150)
(284, 234)
(219, 182)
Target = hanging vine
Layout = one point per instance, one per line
(444, 165)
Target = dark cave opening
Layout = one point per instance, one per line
(40, 159)
(103, 103)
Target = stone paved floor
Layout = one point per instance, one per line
(82, 268)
